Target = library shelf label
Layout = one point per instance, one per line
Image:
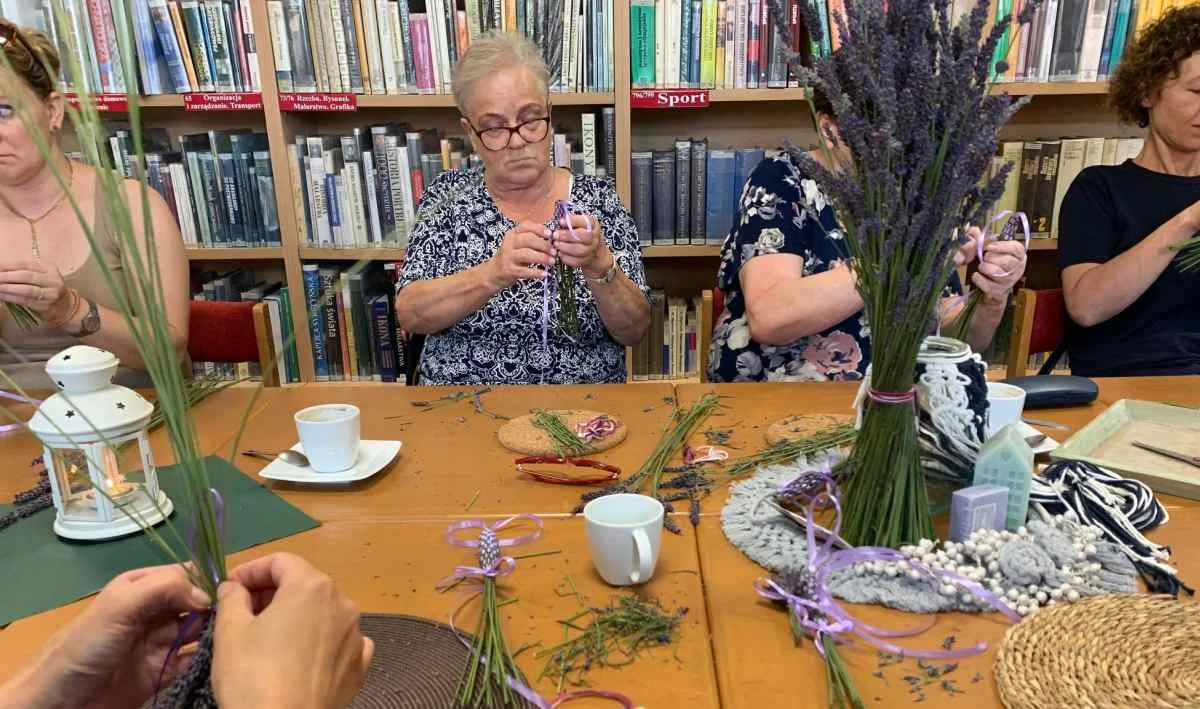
(105, 103)
(223, 102)
(318, 102)
(668, 98)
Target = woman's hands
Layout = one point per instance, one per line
(1002, 267)
(38, 286)
(525, 246)
(111, 654)
(579, 243)
(286, 637)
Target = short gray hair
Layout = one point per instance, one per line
(496, 51)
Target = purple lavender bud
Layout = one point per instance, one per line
(489, 550)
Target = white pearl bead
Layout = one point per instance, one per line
(902, 565)
(993, 566)
(1041, 596)
(906, 549)
(967, 599)
(1013, 594)
(1055, 594)
(1022, 531)
(1076, 581)
(983, 549)
(1065, 587)
(928, 559)
(892, 571)
(948, 589)
(914, 574)
(969, 546)
(1032, 588)
(1090, 549)
(1023, 610)
(925, 544)
(1072, 595)
(1095, 567)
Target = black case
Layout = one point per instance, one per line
(1054, 390)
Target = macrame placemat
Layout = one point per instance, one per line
(1112, 651)
(802, 426)
(417, 663)
(522, 436)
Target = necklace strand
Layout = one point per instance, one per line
(33, 221)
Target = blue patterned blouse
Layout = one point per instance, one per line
(460, 227)
(782, 211)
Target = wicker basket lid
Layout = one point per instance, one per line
(1111, 651)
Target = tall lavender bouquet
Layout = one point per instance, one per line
(910, 93)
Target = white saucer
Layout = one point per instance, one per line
(1045, 447)
(372, 457)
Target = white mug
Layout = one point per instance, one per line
(1005, 404)
(624, 532)
(329, 434)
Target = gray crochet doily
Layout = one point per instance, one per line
(1048, 558)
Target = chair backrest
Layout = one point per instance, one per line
(712, 304)
(232, 332)
(414, 344)
(1039, 325)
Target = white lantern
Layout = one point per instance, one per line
(83, 428)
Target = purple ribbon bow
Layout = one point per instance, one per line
(818, 612)
(1007, 233)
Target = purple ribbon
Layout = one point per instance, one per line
(823, 616)
(596, 428)
(5, 428)
(1008, 233)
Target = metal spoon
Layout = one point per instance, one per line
(290, 457)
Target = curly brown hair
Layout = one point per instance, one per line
(32, 56)
(1152, 60)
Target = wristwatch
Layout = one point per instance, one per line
(609, 276)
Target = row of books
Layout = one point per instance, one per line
(1043, 170)
(353, 323)
(411, 46)
(219, 185)
(712, 44)
(669, 349)
(689, 195)
(181, 46)
(244, 285)
(1073, 40)
(363, 189)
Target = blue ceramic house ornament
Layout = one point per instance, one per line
(1007, 460)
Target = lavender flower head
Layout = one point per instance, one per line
(910, 93)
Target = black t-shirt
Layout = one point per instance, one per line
(1108, 210)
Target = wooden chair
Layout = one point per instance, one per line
(712, 304)
(1039, 325)
(233, 332)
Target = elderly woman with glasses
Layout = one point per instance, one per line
(479, 278)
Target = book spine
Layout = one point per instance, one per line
(664, 197)
(149, 59)
(1121, 33)
(1110, 28)
(296, 163)
(719, 58)
(231, 14)
(608, 118)
(741, 44)
(1093, 40)
(316, 321)
(643, 205)
(708, 44)
(795, 33)
(387, 59)
(329, 323)
(685, 44)
(682, 192)
(1042, 218)
(299, 52)
(407, 34)
(421, 53)
(765, 43)
(214, 16)
(777, 73)
(384, 339)
(642, 43)
(588, 135)
(101, 42)
(250, 41)
(193, 22)
(160, 17)
(277, 22)
(698, 190)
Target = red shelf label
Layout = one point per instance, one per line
(318, 102)
(222, 102)
(668, 98)
(105, 103)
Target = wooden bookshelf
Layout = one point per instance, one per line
(739, 117)
(317, 253)
(236, 254)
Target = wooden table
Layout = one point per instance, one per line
(451, 452)
(381, 540)
(757, 662)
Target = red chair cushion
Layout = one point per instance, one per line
(718, 304)
(222, 332)
(1049, 321)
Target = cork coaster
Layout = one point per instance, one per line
(522, 436)
(802, 426)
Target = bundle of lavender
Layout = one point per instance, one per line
(910, 93)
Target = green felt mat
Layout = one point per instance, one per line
(40, 571)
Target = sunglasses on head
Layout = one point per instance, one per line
(11, 36)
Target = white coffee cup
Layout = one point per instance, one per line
(329, 434)
(624, 532)
(1005, 404)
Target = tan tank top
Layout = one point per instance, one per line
(34, 347)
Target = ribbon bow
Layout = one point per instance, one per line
(596, 428)
(815, 608)
(491, 563)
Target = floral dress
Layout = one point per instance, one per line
(782, 211)
(460, 227)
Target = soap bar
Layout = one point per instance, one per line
(1007, 460)
(977, 507)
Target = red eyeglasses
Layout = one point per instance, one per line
(563, 472)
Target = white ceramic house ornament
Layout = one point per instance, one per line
(97, 494)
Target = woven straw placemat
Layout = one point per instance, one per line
(522, 436)
(1123, 651)
(802, 426)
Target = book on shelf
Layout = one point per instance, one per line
(179, 46)
(1044, 170)
(353, 324)
(219, 185)
(689, 195)
(381, 47)
(669, 349)
(244, 285)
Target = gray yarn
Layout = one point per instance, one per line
(776, 543)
